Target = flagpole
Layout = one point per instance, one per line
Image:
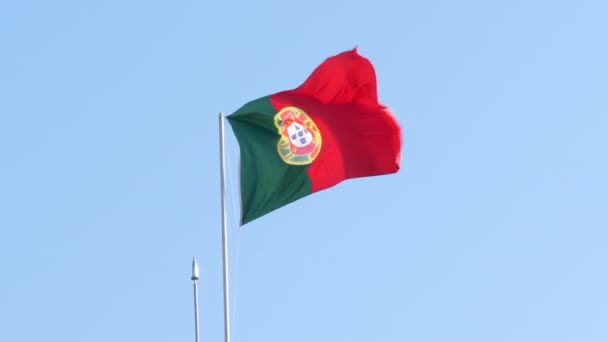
(195, 277)
(224, 231)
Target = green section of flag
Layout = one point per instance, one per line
(267, 183)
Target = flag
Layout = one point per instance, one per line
(297, 142)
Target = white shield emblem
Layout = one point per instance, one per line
(299, 136)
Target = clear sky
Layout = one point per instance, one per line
(495, 229)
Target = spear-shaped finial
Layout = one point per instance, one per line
(195, 273)
(195, 277)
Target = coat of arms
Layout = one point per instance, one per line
(300, 141)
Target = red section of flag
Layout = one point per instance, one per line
(361, 138)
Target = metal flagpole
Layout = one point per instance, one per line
(224, 232)
(195, 277)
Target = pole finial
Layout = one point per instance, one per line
(195, 272)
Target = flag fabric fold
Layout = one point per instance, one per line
(329, 129)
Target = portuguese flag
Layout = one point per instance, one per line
(301, 141)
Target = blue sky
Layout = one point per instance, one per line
(493, 230)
